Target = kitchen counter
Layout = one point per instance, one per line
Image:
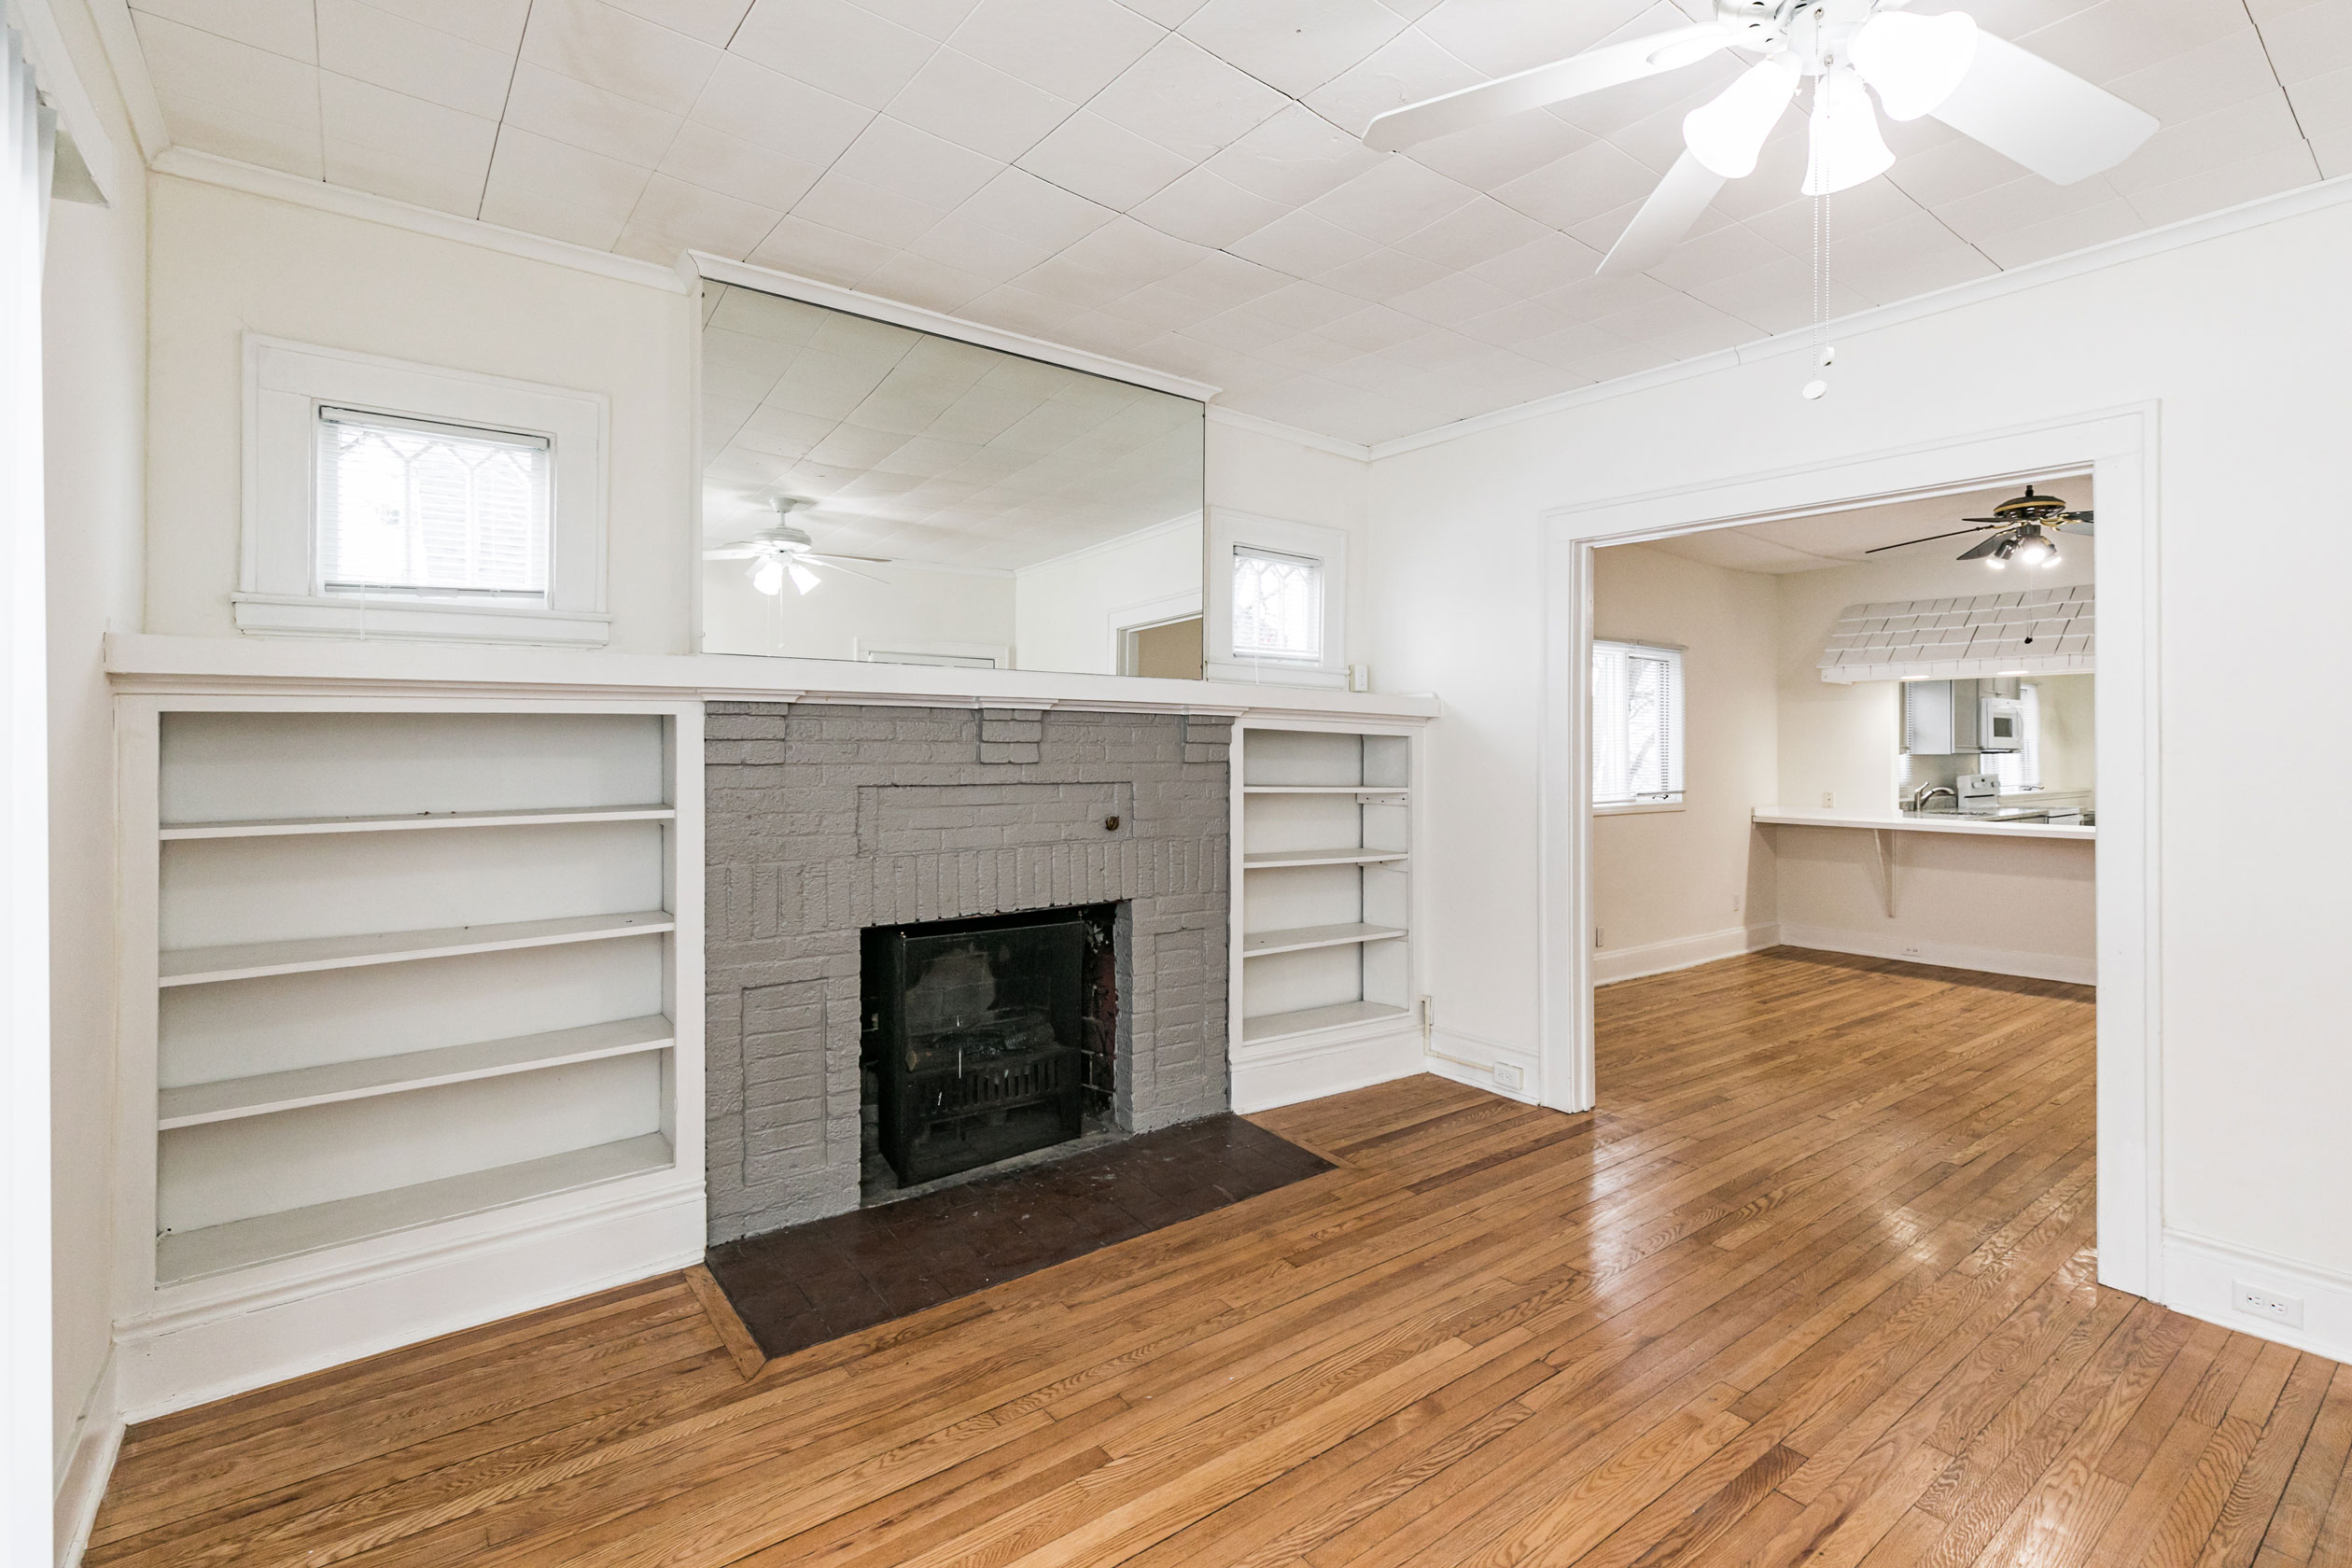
(1912, 821)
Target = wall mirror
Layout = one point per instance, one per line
(877, 492)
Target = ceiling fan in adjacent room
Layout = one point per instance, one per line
(2051, 120)
(2024, 529)
(783, 551)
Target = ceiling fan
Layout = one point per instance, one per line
(784, 551)
(2017, 527)
(2051, 120)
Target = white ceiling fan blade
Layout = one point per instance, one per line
(2052, 120)
(829, 555)
(1571, 77)
(1665, 217)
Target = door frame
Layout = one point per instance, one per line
(2118, 448)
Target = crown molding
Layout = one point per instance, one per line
(1255, 423)
(2316, 197)
(809, 291)
(206, 168)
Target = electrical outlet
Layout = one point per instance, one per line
(1507, 1076)
(1428, 1013)
(1596, 938)
(2260, 1302)
(1911, 949)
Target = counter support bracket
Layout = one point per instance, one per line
(1883, 849)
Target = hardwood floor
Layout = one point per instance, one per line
(1816, 1286)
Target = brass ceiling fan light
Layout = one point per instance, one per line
(2024, 529)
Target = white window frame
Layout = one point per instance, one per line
(286, 383)
(1327, 546)
(1677, 756)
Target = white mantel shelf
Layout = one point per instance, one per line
(137, 661)
(1905, 821)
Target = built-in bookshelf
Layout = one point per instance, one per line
(1325, 898)
(407, 968)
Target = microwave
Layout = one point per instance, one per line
(2000, 724)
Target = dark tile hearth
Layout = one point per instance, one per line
(808, 1283)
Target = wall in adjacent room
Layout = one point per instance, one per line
(227, 263)
(1664, 882)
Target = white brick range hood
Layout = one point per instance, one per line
(2033, 631)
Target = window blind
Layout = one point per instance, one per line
(412, 507)
(1278, 604)
(1637, 724)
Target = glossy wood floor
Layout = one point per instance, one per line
(1816, 1287)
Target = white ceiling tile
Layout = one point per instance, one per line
(359, 40)
(1498, 38)
(2193, 147)
(403, 175)
(1187, 99)
(1407, 69)
(855, 207)
(1775, 296)
(1125, 248)
(2116, 38)
(979, 106)
(284, 27)
(673, 218)
(922, 281)
(495, 24)
(1158, 306)
(2198, 81)
(2323, 104)
(1496, 153)
(934, 19)
(1591, 298)
(1539, 266)
(1515, 324)
(1951, 172)
(608, 48)
(1373, 327)
(396, 126)
(1227, 280)
(717, 162)
(1294, 157)
(1382, 273)
(1207, 210)
(1073, 48)
(891, 154)
(551, 188)
(232, 98)
(1019, 204)
(1719, 252)
(958, 242)
(1595, 179)
(844, 49)
(1101, 162)
(1302, 245)
(233, 130)
(554, 104)
(2333, 150)
(1305, 305)
(2281, 168)
(2022, 203)
(1857, 211)
(812, 250)
(752, 103)
(1393, 198)
(1571, 345)
(1478, 232)
(1451, 299)
(1295, 45)
(708, 22)
(2070, 232)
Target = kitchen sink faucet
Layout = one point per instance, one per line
(1925, 793)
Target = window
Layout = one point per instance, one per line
(405, 506)
(2020, 769)
(390, 499)
(1637, 724)
(1277, 605)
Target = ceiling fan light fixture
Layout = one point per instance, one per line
(1915, 62)
(1847, 148)
(1726, 132)
(2032, 548)
(768, 575)
(803, 579)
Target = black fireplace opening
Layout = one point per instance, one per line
(987, 1039)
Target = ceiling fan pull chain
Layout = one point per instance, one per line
(1824, 354)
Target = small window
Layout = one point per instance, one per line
(444, 511)
(2021, 770)
(1277, 605)
(1637, 724)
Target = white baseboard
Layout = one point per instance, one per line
(2201, 1279)
(1288, 1076)
(1612, 964)
(183, 1356)
(90, 1456)
(1948, 955)
(1471, 1059)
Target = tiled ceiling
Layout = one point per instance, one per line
(1178, 183)
(920, 448)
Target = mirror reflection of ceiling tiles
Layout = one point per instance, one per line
(920, 448)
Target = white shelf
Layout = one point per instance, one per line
(1258, 944)
(1306, 1020)
(228, 1100)
(192, 1255)
(1271, 859)
(200, 966)
(289, 826)
(1394, 791)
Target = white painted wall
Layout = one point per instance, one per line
(1271, 476)
(911, 604)
(2222, 333)
(224, 263)
(1662, 879)
(94, 326)
(1065, 611)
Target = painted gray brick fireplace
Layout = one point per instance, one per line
(826, 818)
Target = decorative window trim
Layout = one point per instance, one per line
(1227, 528)
(277, 581)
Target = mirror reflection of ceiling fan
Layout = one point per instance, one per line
(783, 551)
(2024, 529)
(2051, 120)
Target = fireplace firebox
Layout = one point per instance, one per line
(983, 1036)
